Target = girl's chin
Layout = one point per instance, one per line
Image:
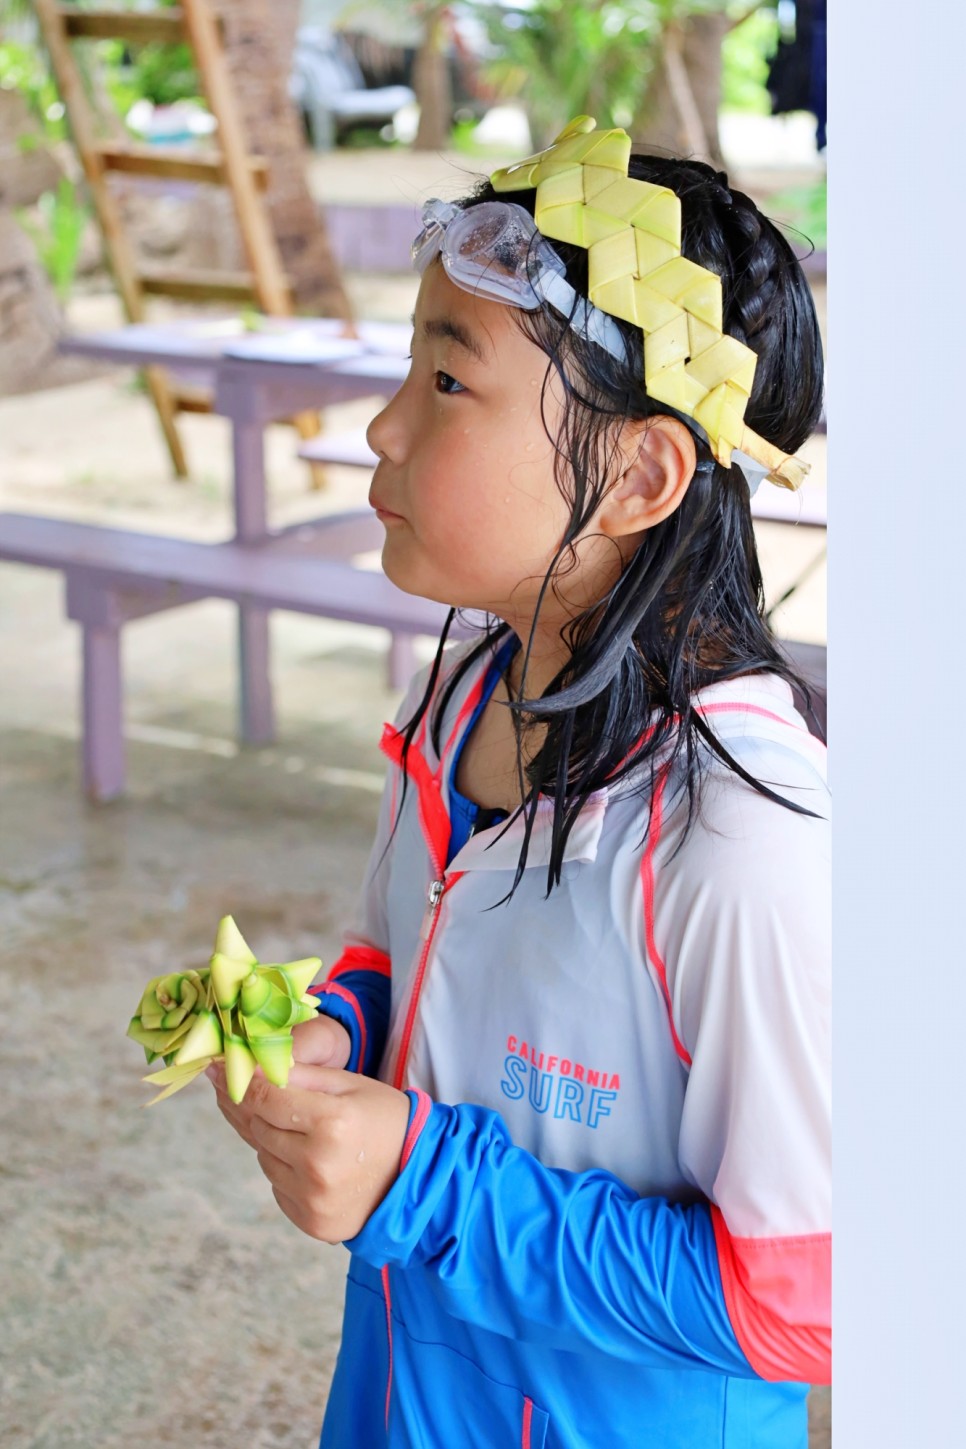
(410, 581)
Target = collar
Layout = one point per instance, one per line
(499, 847)
(752, 704)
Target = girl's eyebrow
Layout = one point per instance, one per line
(447, 328)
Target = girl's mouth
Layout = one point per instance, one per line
(385, 515)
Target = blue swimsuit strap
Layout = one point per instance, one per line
(466, 816)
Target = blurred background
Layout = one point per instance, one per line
(153, 1291)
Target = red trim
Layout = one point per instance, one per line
(778, 1294)
(735, 707)
(647, 885)
(467, 708)
(391, 742)
(416, 1126)
(361, 958)
(436, 828)
(332, 988)
(527, 1417)
(729, 707)
(394, 805)
(432, 811)
(802, 731)
(388, 1297)
(399, 1074)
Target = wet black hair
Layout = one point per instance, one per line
(688, 608)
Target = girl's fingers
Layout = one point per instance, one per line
(322, 1042)
(236, 1114)
(279, 1174)
(285, 1145)
(293, 1108)
(311, 1076)
(293, 1211)
(240, 1126)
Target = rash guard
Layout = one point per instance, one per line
(611, 1223)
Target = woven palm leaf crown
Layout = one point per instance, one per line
(632, 233)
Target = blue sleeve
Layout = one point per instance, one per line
(359, 1000)
(569, 1260)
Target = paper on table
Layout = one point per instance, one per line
(296, 345)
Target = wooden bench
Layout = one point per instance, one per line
(349, 449)
(113, 577)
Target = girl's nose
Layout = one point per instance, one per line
(386, 433)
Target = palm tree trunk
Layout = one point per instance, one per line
(259, 37)
(679, 112)
(431, 82)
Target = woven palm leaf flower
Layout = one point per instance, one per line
(632, 233)
(236, 1009)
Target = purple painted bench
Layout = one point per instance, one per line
(349, 449)
(113, 577)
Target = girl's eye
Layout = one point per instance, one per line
(448, 385)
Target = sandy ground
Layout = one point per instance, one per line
(153, 1292)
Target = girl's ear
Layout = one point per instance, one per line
(659, 459)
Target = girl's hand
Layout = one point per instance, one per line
(330, 1146)
(321, 1042)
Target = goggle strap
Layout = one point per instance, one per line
(586, 319)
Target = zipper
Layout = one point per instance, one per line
(434, 896)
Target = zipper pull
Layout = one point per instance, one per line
(433, 896)
(435, 893)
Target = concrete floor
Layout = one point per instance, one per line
(152, 1291)
(153, 1294)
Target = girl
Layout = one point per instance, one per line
(566, 1099)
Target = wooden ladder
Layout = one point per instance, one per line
(264, 283)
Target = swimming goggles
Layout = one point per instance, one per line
(495, 251)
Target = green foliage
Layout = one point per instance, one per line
(23, 68)
(463, 139)
(803, 209)
(158, 73)
(568, 57)
(744, 63)
(56, 232)
(565, 58)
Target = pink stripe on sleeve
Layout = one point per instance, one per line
(647, 887)
(778, 1292)
(387, 1297)
(332, 988)
(416, 1126)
